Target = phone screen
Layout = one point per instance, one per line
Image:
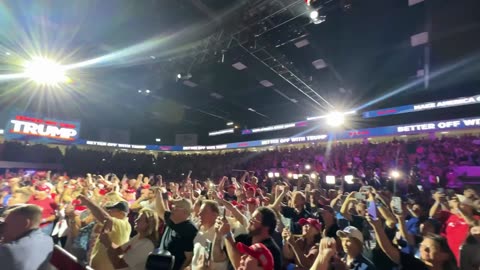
(397, 204)
(420, 187)
(372, 210)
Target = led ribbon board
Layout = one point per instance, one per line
(274, 128)
(41, 130)
(423, 106)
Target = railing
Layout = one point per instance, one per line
(63, 260)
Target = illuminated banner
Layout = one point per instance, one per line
(221, 132)
(436, 126)
(259, 143)
(27, 128)
(423, 106)
(273, 128)
(119, 145)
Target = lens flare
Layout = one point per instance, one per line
(45, 71)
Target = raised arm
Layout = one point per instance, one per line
(223, 230)
(279, 199)
(438, 205)
(344, 208)
(382, 240)
(235, 212)
(100, 215)
(160, 204)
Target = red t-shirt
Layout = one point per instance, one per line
(48, 207)
(455, 229)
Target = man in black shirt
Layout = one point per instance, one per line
(230, 194)
(261, 227)
(179, 231)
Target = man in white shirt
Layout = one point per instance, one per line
(146, 200)
(202, 244)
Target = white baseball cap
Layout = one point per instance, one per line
(351, 231)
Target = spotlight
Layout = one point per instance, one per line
(335, 119)
(395, 174)
(158, 139)
(184, 76)
(45, 71)
(230, 124)
(307, 167)
(147, 91)
(295, 176)
(270, 175)
(277, 175)
(314, 14)
(348, 179)
(313, 175)
(330, 179)
(289, 175)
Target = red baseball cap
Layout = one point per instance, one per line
(146, 186)
(42, 188)
(252, 200)
(312, 222)
(130, 190)
(231, 186)
(258, 251)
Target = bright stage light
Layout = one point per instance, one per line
(330, 179)
(348, 179)
(270, 175)
(395, 174)
(308, 167)
(289, 175)
(313, 175)
(45, 71)
(314, 14)
(277, 175)
(335, 119)
(295, 176)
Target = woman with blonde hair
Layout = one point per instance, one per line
(134, 254)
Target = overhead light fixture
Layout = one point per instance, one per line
(184, 76)
(250, 109)
(230, 124)
(319, 64)
(190, 83)
(266, 83)
(302, 43)
(239, 66)
(158, 139)
(216, 95)
(147, 91)
(314, 14)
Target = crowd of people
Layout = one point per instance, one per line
(419, 218)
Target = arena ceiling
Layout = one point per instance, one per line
(251, 61)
